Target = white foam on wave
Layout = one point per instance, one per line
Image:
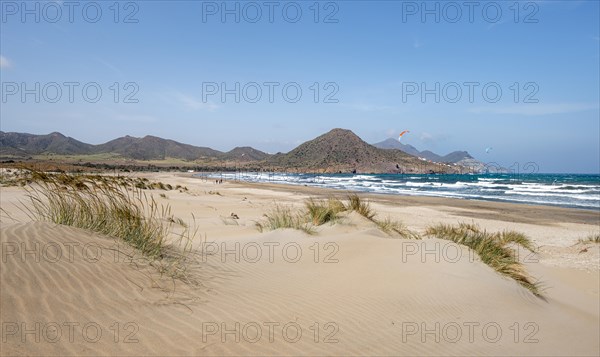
(575, 195)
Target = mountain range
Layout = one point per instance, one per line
(338, 150)
(453, 157)
(129, 147)
(460, 158)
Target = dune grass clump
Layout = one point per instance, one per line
(361, 207)
(319, 212)
(323, 211)
(25, 176)
(593, 238)
(284, 217)
(492, 248)
(517, 238)
(104, 209)
(387, 225)
(391, 227)
(107, 208)
(181, 188)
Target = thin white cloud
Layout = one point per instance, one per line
(195, 104)
(426, 137)
(136, 118)
(494, 24)
(535, 109)
(109, 66)
(4, 62)
(363, 107)
(432, 139)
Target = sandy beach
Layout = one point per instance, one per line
(349, 289)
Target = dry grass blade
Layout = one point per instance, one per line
(105, 206)
(284, 217)
(363, 208)
(516, 238)
(492, 249)
(321, 212)
(593, 238)
(390, 227)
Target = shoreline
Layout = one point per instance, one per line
(537, 198)
(511, 211)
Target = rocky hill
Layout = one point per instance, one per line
(22, 144)
(244, 154)
(154, 148)
(341, 150)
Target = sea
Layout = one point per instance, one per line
(566, 190)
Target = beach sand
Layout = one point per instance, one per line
(350, 289)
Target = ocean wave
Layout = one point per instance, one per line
(569, 190)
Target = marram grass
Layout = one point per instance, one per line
(592, 238)
(355, 203)
(492, 248)
(321, 212)
(318, 212)
(284, 217)
(391, 227)
(112, 207)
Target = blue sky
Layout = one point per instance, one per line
(371, 61)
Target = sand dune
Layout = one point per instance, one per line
(349, 290)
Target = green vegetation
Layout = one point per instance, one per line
(319, 212)
(101, 157)
(104, 205)
(284, 217)
(363, 208)
(493, 249)
(23, 177)
(390, 227)
(387, 225)
(592, 238)
(517, 238)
